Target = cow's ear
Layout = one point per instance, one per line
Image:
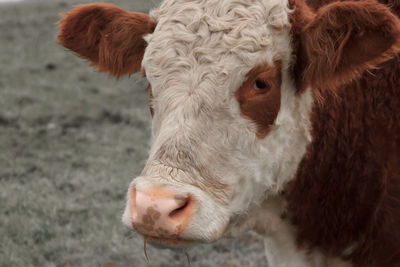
(344, 39)
(109, 37)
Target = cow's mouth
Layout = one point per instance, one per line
(162, 242)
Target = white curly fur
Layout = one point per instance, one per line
(197, 57)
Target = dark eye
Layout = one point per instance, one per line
(261, 85)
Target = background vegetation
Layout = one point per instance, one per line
(71, 140)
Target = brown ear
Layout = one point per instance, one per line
(346, 38)
(109, 37)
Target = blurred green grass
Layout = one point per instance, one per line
(71, 141)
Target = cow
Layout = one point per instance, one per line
(279, 116)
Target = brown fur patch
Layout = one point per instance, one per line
(347, 189)
(394, 5)
(261, 106)
(346, 38)
(336, 44)
(109, 37)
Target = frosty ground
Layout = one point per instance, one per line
(71, 140)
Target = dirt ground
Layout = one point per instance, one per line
(71, 140)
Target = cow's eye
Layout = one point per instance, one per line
(261, 85)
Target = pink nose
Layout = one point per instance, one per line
(159, 212)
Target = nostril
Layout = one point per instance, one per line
(183, 203)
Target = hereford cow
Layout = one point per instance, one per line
(272, 115)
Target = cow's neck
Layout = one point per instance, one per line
(347, 181)
(325, 184)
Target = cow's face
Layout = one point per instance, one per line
(230, 94)
(221, 136)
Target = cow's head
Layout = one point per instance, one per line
(231, 95)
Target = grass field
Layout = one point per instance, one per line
(71, 140)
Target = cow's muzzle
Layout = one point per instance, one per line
(160, 214)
